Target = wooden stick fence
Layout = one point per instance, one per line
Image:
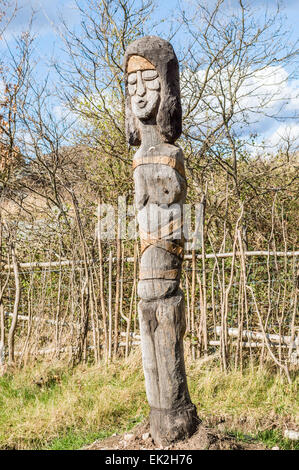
(56, 296)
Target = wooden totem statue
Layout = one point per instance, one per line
(154, 122)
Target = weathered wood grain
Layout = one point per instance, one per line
(153, 119)
(162, 328)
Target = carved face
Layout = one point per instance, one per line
(144, 89)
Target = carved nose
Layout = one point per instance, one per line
(140, 86)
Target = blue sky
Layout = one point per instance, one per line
(48, 45)
(49, 12)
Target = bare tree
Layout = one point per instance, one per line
(9, 158)
(94, 70)
(232, 57)
(8, 10)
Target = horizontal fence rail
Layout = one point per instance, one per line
(240, 305)
(130, 259)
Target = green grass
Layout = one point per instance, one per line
(257, 398)
(53, 407)
(73, 440)
(50, 406)
(270, 438)
(273, 437)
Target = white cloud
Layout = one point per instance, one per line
(268, 102)
(283, 134)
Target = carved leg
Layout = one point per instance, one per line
(162, 327)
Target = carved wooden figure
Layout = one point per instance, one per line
(154, 120)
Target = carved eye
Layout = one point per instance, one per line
(132, 89)
(149, 74)
(132, 78)
(153, 84)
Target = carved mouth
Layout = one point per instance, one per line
(141, 104)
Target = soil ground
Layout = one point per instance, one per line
(206, 438)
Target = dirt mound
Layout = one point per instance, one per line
(204, 439)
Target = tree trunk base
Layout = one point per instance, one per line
(169, 426)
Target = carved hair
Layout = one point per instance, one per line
(169, 117)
